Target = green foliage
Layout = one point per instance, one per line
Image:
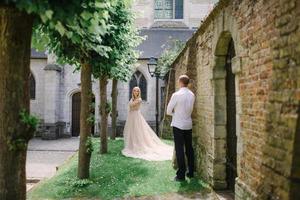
(122, 39)
(92, 105)
(74, 30)
(65, 23)
(114, 176)
(108, 107)
(17, 141)
(41, 9)
(97, 31)
(17, 144)
(75, 185)
(91, 119)
(30, 121)
(89, 145)
(174, 47)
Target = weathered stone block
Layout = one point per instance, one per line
(219, 86)
(220, 132)
(219, 184)
(219, 172)
(220, 109)
(236, 65)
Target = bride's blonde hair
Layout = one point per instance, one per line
(132, 93)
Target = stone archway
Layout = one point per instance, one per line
(295, 175)
(226, 119)
(231, 137)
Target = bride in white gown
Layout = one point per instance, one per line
(140, 140)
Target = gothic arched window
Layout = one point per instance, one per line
(31, 86)
(138, 79)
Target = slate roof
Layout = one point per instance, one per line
(157, 40)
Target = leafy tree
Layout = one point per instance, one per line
(172, 50)
(15, 34)
(17, 19)
(122, 40)
(78, 40)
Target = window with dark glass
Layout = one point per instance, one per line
(178, 9)
(31, 86)
(139, 80)
(168, 9)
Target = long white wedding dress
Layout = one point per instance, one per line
(140, 140)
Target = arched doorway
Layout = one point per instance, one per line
(225, 114)
(295, 175)
(231, 138)
(76, 101)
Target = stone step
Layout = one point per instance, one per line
(224, 195)
(33, 180)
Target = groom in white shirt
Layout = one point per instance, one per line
(180, 108)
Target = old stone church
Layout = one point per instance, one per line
(55, 90)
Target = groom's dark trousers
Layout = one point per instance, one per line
(183, 142)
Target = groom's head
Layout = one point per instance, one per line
(183, 80)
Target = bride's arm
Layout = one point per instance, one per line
(135, 104)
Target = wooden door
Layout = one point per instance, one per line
(76, 100)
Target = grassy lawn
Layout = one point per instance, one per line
(113, 176)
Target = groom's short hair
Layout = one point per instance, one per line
(184, 79)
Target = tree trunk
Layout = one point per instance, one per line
(114, 112)
(103, 114)
(15, 40)
(85, 124)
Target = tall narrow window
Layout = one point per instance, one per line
(168, 9)
(178, 9)
(138, 79)
(31, 86)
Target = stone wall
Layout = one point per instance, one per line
(266, 68)
(37, 70)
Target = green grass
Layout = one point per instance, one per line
(113, 176)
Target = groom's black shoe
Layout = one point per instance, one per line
(190, 175)
(179, 179)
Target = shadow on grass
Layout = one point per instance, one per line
(193, 185)
(113, 176)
